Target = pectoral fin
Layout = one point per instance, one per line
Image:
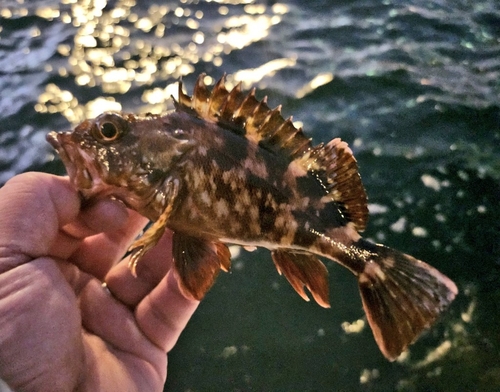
(302, 269)
(198, 262)
(148, 240)
(153, 234)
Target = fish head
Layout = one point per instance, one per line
(114, 155)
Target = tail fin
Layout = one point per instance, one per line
(401, 296)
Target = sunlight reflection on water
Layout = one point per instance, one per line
(105, 53)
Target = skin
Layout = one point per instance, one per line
(60, 329)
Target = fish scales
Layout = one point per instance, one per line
(224, 168)
(228, 180)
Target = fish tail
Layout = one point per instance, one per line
(401, 295)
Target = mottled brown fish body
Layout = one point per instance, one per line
(232, 189)
(225, 168)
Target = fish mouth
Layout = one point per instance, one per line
(92, 178)
(79, 165)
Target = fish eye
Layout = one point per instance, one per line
(108, 130)
(109, 127)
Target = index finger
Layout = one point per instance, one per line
(151, 269)
(96, 254)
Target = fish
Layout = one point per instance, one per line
(224, 168)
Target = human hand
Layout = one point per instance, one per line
(60, 330)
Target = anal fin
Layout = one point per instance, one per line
(304, 270)
(198, 262)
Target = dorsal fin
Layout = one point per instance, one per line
(245, 115)
(333, 164)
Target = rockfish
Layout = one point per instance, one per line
(224, 168)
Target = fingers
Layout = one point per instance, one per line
(165, 312)
(113, 322)
(98, 253)
(106, 317)
(162, 311)
(41, 216)
(150, 271)
(103, 215)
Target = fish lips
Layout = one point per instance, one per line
(76, 164)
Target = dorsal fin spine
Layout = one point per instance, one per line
(184, 99)
(286, 128)
(298, 147)
(271, 125)
(217, 98)
(201, 96)
(283, 133)
(255, 120)
(247, 107)
(232, 102)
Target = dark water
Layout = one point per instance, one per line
(413, 87)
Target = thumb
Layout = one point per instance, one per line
(33, 207)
